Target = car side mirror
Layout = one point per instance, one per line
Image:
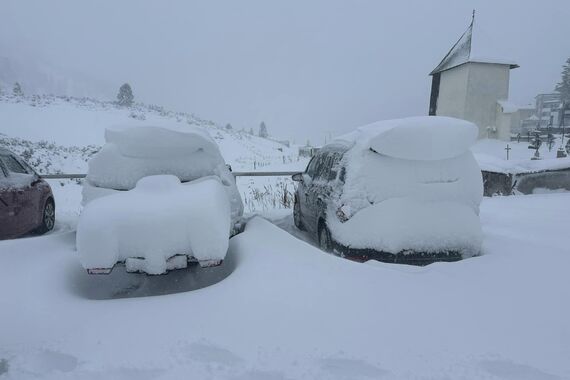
(37, 179)
(297, 177)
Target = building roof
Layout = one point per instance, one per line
(462, 52)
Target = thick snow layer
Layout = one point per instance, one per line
(156, 220)
(497, 165)
(157, 142)
(289, 311)
(133, 153)
(417, 138)
(402, 224)
(372, 179)
(491, 156)
(110, 169)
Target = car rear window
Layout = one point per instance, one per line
(12, 165)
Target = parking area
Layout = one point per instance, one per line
(480, 312)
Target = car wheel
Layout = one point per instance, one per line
(48, 218)
(297, 215)
(325, 239)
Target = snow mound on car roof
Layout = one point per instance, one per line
(136, 152)
(427, 138)
(158, 142)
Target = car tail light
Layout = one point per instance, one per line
(342, 215)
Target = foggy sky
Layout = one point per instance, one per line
(307, 68)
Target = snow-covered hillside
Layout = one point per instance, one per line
(59, 134)
(80, 122)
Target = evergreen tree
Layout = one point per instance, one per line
(263, 130)
(229, 127)
(125, 96)
(564, 86)
(17, 90)
(251, 131)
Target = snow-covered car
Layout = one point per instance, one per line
(404, 191)
(160, 225)
(132, 153)
(155, 199)
(26, 201)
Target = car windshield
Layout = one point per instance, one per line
(12, 165)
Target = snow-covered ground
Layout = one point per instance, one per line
(277, 308)
(290, 311)
(518, 150)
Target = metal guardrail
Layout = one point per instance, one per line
(236, 174)
(62, 176)
(264, 174)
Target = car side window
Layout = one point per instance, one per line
(319, 159)
(311, 167)
(336, 168)
(12, 165)
(342, 174)
(320, 166)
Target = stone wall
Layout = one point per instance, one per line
(525, 183)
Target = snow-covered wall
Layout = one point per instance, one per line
(471, 92)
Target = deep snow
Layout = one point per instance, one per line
(286, 310)
(158, 219)
(417, 138)
(290, 311)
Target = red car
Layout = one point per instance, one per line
(26, 201)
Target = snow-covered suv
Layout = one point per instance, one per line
(404, 191)
(156, 199)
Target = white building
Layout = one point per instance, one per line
(474, 88)
(549, 110)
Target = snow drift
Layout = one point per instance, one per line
(156, 221)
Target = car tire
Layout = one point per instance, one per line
(325, 238)
(48, 218)
(297, 215)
